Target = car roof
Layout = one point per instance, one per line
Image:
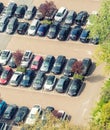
(34, 22)
(37, 57)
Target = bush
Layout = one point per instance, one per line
(21, 69)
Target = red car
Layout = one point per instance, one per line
(36, 63)
(6, 75)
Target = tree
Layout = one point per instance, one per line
(47, 7)
(101, 23)
(17, 57)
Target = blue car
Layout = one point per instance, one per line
(28, 78)
(3, 106)
(42, 30)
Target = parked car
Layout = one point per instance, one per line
(22, 28)
(12, 25)
(6, 75)
(84, 37)
(68, 68)
(61, 13)
(10, 10)
(20, 11)
(39, 15)
(60, 114)
(33, 27)
(30, 12)
(70, 18)
(21, 115)
(34, 115)
(81, 18)
(42, 30)
(39, 80)
(63, 33)
(86, 62)
(37, 62)
(3, 23)
(50, 15)
(10, 112)
(3, 106)
(74, 87)
(5, 56)
(94, 40)
(62, 84)
(12, 63)
(1, 7)
(50, 82)
(75, 33)
(27, 78)
(53, 30)
(16, 78)
(49, 109)
(47, 63)
(59, 64)
(3, 126)
(27, 58)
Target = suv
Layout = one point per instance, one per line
(11, 9)
(81, 18)
(12, 25)
(26, 59)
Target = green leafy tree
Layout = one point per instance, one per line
(101, 23)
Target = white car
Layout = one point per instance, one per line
(33, 27)
(5, 56)
(27, 58)
(61, 13)
(16, 78)
(50, 82)
(32, 117)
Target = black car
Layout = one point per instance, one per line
(11, 9)
(12, 63)
(68, 68)
(84, 36)
(21, 115)
(59, 64)
(39, 80)
(20, 11)
(1, 7)
(27, 78)
(63, 33)
(62, 84)
(70, 18)
(47, 63)
(94, 40)
(87, 62)
(74, 87)
(42, 30)
(81, 18)
(75, 33)
(22, 28)
(30, 12)
(53, 30)
(10, 112)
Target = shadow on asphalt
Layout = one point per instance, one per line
(95, 78)
(92, 68)
(82, 88)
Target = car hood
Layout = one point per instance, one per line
(3, 81)
(30, 31)
(24, 83)
(34, 67)
(30, 121)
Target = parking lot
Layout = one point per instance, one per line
(78, 107)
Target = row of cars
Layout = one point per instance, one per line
(35, 74)
(20, 115)
(60, 25)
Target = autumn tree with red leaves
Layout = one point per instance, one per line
(18, 57)
(47, 7)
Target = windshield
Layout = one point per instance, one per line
(35, 63)
(32, 27)
(4, 75)
(59, 14)
(26, 78)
